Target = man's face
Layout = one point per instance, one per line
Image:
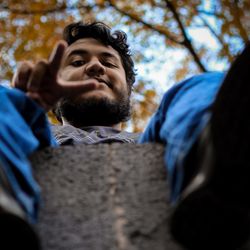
(88, 60)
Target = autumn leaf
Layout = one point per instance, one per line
(29, 30)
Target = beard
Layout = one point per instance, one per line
(94, 111)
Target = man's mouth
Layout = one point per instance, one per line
(103, 81)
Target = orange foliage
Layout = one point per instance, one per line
(29, 30)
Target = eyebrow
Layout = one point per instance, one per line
(85, 52)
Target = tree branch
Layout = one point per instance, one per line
(146, 24)
(218, 37)
(186, 41)
(235, 11)
(209, 13)
(44, 11)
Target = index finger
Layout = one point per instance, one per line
(56, 57)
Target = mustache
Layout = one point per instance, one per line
(100, 79)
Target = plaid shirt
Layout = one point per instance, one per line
(69, 135)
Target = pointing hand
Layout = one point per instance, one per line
(42, 83)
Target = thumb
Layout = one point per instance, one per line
(72, 88)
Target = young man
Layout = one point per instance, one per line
(95, 73)
(88, 81)
(89, 78)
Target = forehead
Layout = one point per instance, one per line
(91, 46)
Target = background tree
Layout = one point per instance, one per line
(170, 40)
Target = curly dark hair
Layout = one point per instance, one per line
(101, 32)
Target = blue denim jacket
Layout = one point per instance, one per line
(182, 115)
(23, 129)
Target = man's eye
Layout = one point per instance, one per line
(108, 64)
(77, 63)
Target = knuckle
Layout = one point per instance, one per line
(26, 65)
(41, 67)
(42, 63)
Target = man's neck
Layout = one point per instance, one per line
(115, 126)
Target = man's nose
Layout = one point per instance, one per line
(94, 68)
